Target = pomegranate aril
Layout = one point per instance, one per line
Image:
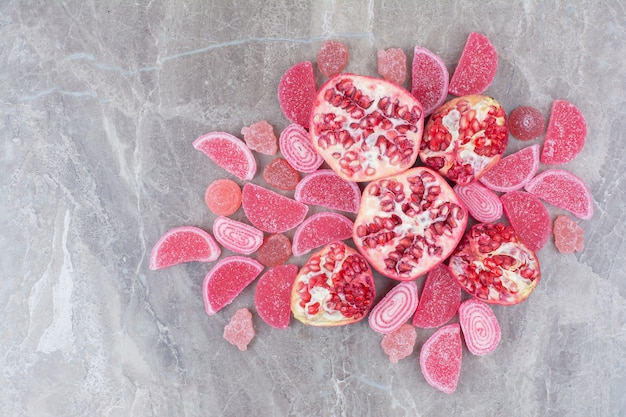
(269, 211)
(392, 65)
(280, 174)
(399, 343)
(566, 134)
(295, 145)
(526, 123)
(183, 244)
(228, 152)
(260, 137)
(272, 295)
(483, 204)
(476, 68)
(513, 171)
(480, 327)
(529, 217)
(296, 93)
(223, 197)
(563, 189)
(332, 58)
(320, 229)
(327, 189)
(240, 330)
(440, 358)
(275, 250)
(395, 308)
(237, 236)
(439, 300)
(226, 280)
(430, 79)
(568, 236)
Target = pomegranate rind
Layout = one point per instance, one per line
(325, 188)
(440, 358)
(223, 197)
(332, 58)
(275, 250)
(366, 128)
(493, 264)
(183, 244)
(237, 236)
(439, 300)
(395, 308)
(477, 67)
(526, 123)
(400, 343)
(226, 280)
(281, 175)
(392, 65)
(240, 331)
(564, 190)
(513, 171)
(565, 137)
(483, 204)
(229, 153)
(296, 93)
(430, 79)
(260, 137)
(319, 294)
(529, 217)
(269, 211)
(568, 236)
(272, 295)
(320, 229)
(295, 145)
(417, 231)
(480, 327)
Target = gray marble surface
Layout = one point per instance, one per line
(100, 102)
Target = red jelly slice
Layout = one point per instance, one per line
(568, 236)
(223, 197)
(320, 229)
(183, 244)
(280, 174)
(275, 250)
(430, 79)
(440, 358)
(528, 217)
(513, 171)
(392, 65)
(477, 67)
(228, 152)
(395, 308)
(260, 137)
(270, 211)
(526, 123)
(296, 147)
(226, 280)
(296, 93)
(563, 189)
(327, 189)
(332, 58)
(483, 204)
(237, 236)
(240, 331)
(480, 327)
(399, 343)
(272, 297)
(439, 300)
(566, 134)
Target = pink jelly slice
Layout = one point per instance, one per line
(327, 189)
(183, 244)
(275, 250)
(399, 343)
(226, 280)
(568, 236)
(260, 137)
(526, 123)
(237, 236)
(332, 58)
(483, 204)
(439, 300)
(563, 189)
(280, 174)
(296, 93)
(430, 79)
(272, 296)
(320, 229)
(513, 171)
(528, 217)
(223, 197)
(476, 68)
(240, 331)
(228, 152)
(270, 211)
(295, 145)
(440, 358)
(480, 327)
(395, 308)
(392, 65)
(566, 133)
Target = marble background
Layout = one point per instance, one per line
(100, 102)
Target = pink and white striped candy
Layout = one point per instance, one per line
(295, 145)
(395, 308)
(237, 236)
(480, 327)
(483, 204)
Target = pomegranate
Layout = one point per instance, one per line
(408, 223)
(334, 287)
(492, 264)
(366, 128)
(465, 137)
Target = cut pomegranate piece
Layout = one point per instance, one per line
(272, 296)
(483, 204)
(409, 223)
(392, 65)
(228, 152)
(568, 236)
(465, 137)
(529, 217)
(439, 300)
(399, 343)
(430, 79)
(440, 358)
(395, 308)
(526, 123)
(270, 211)
(183, 244)
(260, 137)
(320, 229)
(493, 264)
(563, 189)
(327, 189)
(226, 280)
(296, 147)
(296, 93)
(480, 327)
(513, 171)
(565, 137)
(366, 128)
(240, 331)
(334, 287)
(237, 236)
(332, 58)
(280, 174)
(275, 250)
(476, 68)
(223, 197)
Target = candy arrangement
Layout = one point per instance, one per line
(435, 198)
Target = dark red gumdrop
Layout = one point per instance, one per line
(526, 123)
(275, 250)
(280, 174)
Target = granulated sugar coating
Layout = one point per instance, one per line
(270, 211)
(400, 343)
(240, 331)
(392, 65)
(260, 137)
